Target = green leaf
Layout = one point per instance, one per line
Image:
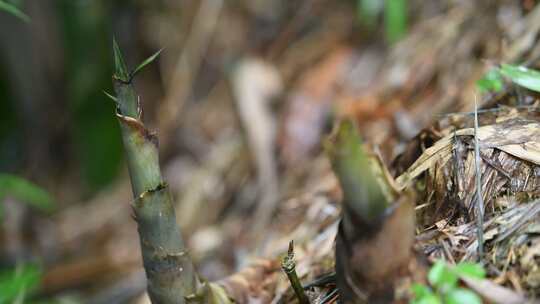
(424, 295)
(522, 76)
(428, 299)
(432, 299)
(120, 67)
(420, 290)
(436, 272)
(462, 296)
(13, 10)
(492, 81)
(146, 62)
(441, 277)
(16, 283)
(471, 270)
(395, 19)
(25, 192)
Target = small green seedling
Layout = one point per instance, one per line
(520, 75)
(491, 82)
(443, 280)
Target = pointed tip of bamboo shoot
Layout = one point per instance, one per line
(120, 68)
(126, 98)
(344, 139)
(362, 192)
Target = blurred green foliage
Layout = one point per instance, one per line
(25, 192)
(491, 81)
(395, 19)
(444, 280)
(395, 16)
(520, 75)
(368, 11)
(10, 134)
(16, 284)
(12, 9)
(86, 33)
(21, 285)
(85, 29)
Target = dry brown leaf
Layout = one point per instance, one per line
(519, 138)
(253, 284)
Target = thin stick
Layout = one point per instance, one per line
(493, 110)
(480, 200)
(289, 267)
(331, 296)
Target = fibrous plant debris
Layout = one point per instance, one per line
(510, 177)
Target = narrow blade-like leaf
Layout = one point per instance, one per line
(13, 10)
(146, 62)
(110, 96)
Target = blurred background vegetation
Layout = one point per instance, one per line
(57, 128)
(55, 122)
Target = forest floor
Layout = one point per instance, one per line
(243, 157)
